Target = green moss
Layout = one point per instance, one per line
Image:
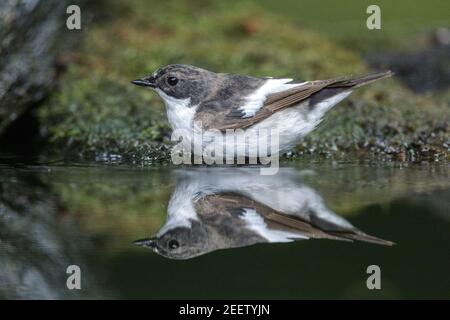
(385, 119)
(97, 112)
(98, 117)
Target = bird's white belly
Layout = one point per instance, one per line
(290, 125)
(275, 135)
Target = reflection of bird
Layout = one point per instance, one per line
(221, 208)
(200, 99)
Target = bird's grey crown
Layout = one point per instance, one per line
(185, 69)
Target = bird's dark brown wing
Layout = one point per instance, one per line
(235, 204)
(291, 97)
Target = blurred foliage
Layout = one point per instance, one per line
(98, 113)
(345, 21)
(103, 118)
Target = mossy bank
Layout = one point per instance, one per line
(97, 114)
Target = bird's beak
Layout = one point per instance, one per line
(145, 82)
(147, 242)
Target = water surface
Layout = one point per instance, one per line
(53, 216)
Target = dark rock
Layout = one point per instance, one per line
(39, 241)
(33, 34)
(423, 70)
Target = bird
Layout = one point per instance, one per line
(220, 208)
(199, 100)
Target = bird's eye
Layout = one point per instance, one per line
(172, 81)
(173, 244)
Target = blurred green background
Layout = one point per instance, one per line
(344, 21)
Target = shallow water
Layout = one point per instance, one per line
(53, 216)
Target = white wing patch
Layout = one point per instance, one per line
(256, 223)
(255, 101)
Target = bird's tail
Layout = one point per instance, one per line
(361, 236)
(361, 81)
(320, 228)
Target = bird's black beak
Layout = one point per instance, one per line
(148, 242)
(145, 82)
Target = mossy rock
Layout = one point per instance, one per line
(95, 117)
(98, 113)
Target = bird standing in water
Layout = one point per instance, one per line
(197, 100)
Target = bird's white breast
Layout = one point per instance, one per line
(179, 112)
(181, 211)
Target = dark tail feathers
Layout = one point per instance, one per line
(361, 81)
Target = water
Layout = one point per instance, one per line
(53, 216)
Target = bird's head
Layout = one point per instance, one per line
(180, 242)
(179, 82)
